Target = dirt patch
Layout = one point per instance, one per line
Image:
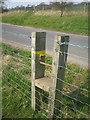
(15, 62)
(6, 59)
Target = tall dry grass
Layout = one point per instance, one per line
(58, 13)
(14, 13)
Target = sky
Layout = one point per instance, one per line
(14, 3)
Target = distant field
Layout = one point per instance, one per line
(75, 22)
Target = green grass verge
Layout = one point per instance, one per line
(18, 105)
(71, 24)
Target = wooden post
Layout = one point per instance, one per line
(59, 59)
(37, 53)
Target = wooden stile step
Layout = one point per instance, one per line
(43, 83)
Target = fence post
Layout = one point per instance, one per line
(38, 70)
(59, 59)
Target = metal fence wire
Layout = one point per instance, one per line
(16, 85)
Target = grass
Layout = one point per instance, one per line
(77, 24)
(16, 87)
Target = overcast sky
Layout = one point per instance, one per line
(14, 3)
(42, 0)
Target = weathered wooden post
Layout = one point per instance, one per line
(58, 72)
(38, 70)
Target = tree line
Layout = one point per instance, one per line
(62, 6)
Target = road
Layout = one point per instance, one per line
(76, 55)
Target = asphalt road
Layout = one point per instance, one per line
(76, 55)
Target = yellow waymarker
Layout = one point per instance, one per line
(40, 53)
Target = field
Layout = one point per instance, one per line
(72, 22)
(16, 86)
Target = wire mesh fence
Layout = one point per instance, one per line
(16, 78)
(16, 86)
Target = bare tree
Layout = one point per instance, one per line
(59, 4)
(63, 4)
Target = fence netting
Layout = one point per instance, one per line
(16, 77)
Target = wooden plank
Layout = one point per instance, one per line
(58, 60)
(43, 83)
(33, 70)
(38, 70)
(54, 77)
